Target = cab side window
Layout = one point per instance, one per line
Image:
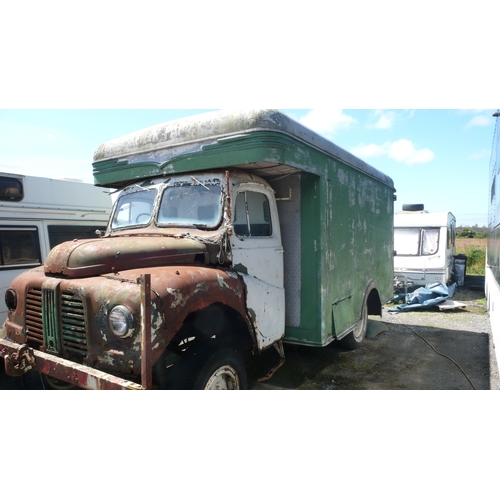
(252, 215)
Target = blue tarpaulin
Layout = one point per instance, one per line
(424, 298)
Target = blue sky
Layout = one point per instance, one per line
(436, 157)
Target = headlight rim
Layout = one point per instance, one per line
(13, 294)
(128, 321)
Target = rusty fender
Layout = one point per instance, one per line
(183, 290)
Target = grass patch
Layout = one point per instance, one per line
(475, 249)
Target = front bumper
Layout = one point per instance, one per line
(19, 359)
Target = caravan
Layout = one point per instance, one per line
(38, 213)
(424, 246)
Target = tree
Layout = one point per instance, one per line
(466, 233)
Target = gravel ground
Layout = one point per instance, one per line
(423, 350)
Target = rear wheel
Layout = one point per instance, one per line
(354, 339)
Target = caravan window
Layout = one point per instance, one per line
(407, 241)
(11, 189)
(19, 247)
(430, 241)
(60, 233)
(413, 241)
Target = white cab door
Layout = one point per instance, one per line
(258, 257)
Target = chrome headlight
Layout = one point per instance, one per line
(121, 322)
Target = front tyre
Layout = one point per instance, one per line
(223, 370)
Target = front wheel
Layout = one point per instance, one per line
(223, 370)
(353, 340)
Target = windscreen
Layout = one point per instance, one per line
(183, 202)
(133, 209)
(185, 205)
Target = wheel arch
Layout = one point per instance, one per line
(204, 332)
(372, 299)
(219, 322)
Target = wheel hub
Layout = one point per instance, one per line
(224, 378)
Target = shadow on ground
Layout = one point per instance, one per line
(395, 359)
(404, 356)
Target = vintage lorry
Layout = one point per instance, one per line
(233, 232)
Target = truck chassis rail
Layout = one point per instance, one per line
(19, 359)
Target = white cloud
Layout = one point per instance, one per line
(484, 153)
(480, 121)
(384, 120)
(327, 122)
(402, 151)
(370, 150)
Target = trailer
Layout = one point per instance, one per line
(492, 271)
(233, 233)
(424, 247)
(38, 213)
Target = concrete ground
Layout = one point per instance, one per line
(419, 350)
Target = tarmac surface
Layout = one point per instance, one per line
(424, 350)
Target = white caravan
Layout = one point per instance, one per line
(424, 246)
(38, 213)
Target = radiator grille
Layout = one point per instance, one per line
(73, 323)
(64, 328)
(34, 326)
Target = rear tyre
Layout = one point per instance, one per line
(354, 339)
